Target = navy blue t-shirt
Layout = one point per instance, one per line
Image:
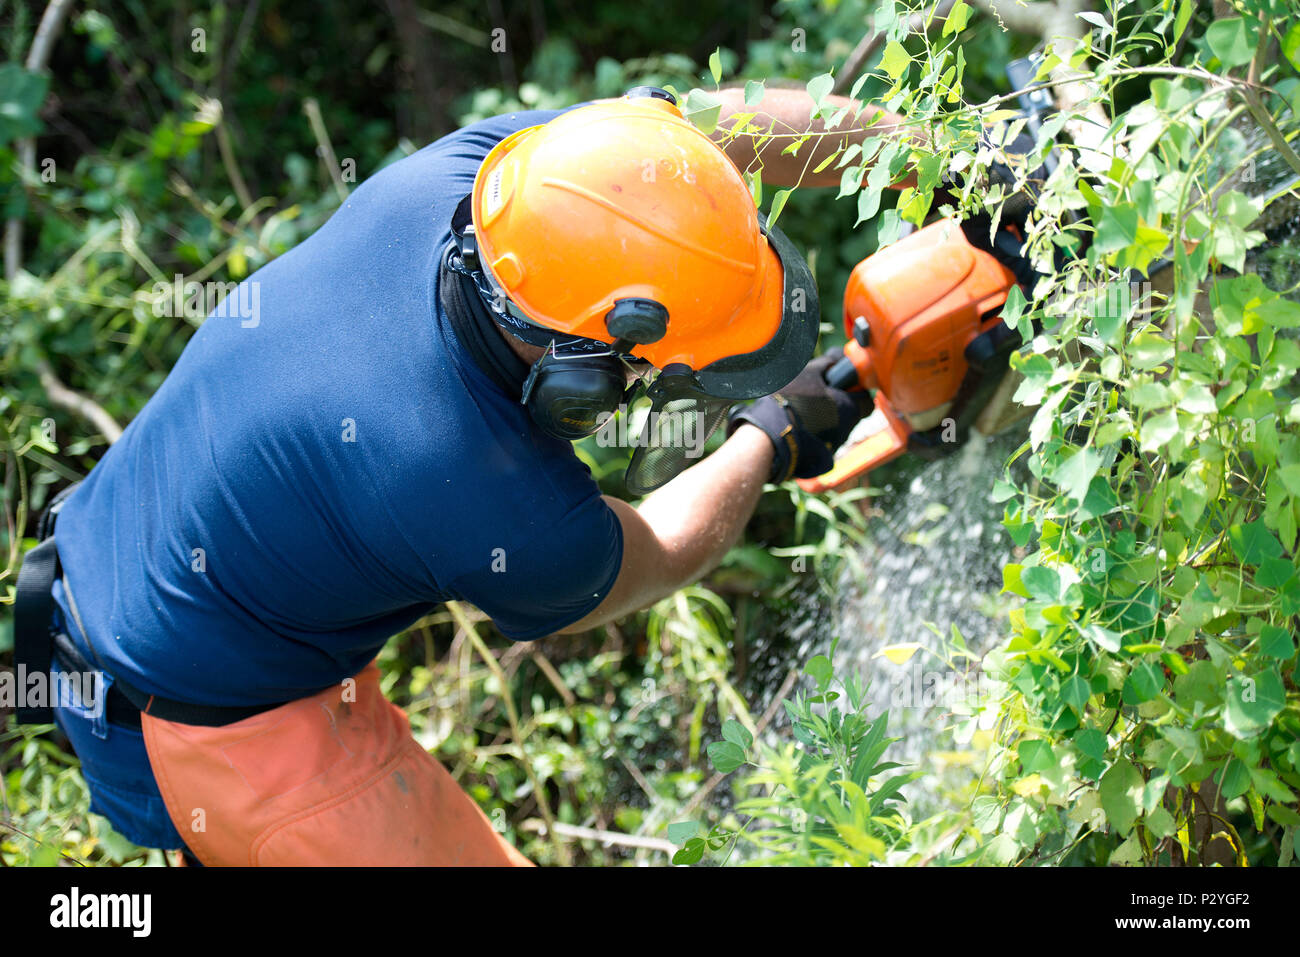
(314, 478)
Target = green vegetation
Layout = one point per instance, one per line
(1144, 706)
(1147, 708)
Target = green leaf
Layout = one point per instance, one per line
(1289, 819)
(737, 733)
(682, 831)
(778, 204)
(1279, 313)
(1142, 684)
(1103, 638)
(1158, 429)
(1121, 786)
(1253, 542)
(1012, 580)
(1097, 20)
(868, 204)
(957, 19)
(1110, 314)
(1236, 303)
(1276, 642)
(726, 756)
(1013, 314)
(1235, 779)
(819, 87)
(21, 95)
(1230, 41)
(1117, 227)
(1185, 10)
(1269, 785)
(1238, 208)
(715, 65)
(985, 813)
(1091, 742)
(1203, 683)
(1100, 500)
(1075, 474)
(1290, 476)
(1291, 45)
(850, 180)
(895, 60)
(1198, 400)
(1075, 691)
(819, 668)
(754, 92)
(1143, 648)
(692, 853)
(1274, 573)
(703, 110)
(1035, 755)
(1151, 395)
(1043, 583)
(1253, 703)
(1161, 823)
(1148, 350)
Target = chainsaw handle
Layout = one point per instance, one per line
(842, 375)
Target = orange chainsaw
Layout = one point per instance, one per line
(925, 332)
(923, 319)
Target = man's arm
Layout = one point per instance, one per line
(684, 529)
(786, 113)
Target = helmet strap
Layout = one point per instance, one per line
(473, 325)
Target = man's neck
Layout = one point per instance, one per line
(529, 354)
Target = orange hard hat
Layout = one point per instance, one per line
(622, 223)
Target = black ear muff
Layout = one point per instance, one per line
(570, 396)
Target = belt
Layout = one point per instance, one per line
(36, 640)
(118, 708)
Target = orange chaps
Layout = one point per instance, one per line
(334, 779)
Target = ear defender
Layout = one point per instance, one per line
(569, 395)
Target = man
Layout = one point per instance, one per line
(390, 432)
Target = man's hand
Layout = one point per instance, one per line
(806, 421)
(682, 530)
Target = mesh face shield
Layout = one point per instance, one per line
(680, 421)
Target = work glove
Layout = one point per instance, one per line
(1006, 246)
(806, 421)
(1016, 204)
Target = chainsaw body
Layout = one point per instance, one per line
(925, 335)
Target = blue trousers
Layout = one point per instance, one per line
(116, 766)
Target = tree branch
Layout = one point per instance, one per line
(37, 57)
(76, 403)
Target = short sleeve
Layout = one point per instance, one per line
(559, 577)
